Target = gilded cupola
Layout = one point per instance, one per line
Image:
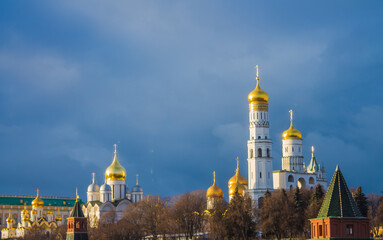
(38, 202)
(9, 219)
(291, 133)
(214, 191)
(241, 179)
(25, 211)
(237, 187)
(115, 171)
(258, 95)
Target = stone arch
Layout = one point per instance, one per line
(301, 183)
(259, 152)
(290, 178)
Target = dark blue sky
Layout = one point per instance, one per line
(168, 82)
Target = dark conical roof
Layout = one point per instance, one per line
(338, 201)
(76, 211)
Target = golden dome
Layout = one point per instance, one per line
(258, 95)
(115, 171)
(291, 133)
(24, 211)
(241, 179)
(38, 202)
(214, 191)
(25, 219)
(58, 219)
(9, 219)
(236, 187)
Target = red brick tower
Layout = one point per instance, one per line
(339, 217)
(77, 224)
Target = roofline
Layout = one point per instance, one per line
(33, 196)
(339, 218)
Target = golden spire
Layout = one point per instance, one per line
(115, 149)
(257, 68)
(237, 164)
(214, 176)
(137, 179)
(38, 191)
(291, 116)
(93, 174)
(77, 197)
(312, 151)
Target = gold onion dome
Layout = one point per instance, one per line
(9, 219)
(214, 191)
(258, 95)
(292, 133)
(38, 202)
(24, 211)
(115, 171)
(241, 179)
(237, 187)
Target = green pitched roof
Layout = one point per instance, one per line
(338, 201)
(313, 166)
(76, 211)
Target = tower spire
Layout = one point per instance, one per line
(115, 149)
(312, 151)
(214, 176)
(38, 191)
(137, 179)
(237, 164)
(257, 69)
(76, 194)
(93, 174)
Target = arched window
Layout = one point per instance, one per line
(251, 153)
(290, 178)
(259, 152)
(259, 137)
(268, 152)
(77, 225)
(260, 174)
(311, 180)
(265, 137)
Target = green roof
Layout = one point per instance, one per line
(313, 166)
(48, 201)
(76, 211)
(338, 201)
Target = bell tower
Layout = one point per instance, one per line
(259, 145)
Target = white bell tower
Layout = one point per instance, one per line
(259, 145)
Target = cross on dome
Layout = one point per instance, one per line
(115, 148)
(137, 179)
(291, 115)
(257, 68)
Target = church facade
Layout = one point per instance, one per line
(110, 200)
(47, 218)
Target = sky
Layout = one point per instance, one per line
(167, 81)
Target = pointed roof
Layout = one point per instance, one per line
(313, 166)
(338, 201)
(76, 211)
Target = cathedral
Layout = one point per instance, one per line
(109, 200)
(35, 219)
(261, 176)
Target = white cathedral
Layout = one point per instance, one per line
(109, 200)
(294, 173)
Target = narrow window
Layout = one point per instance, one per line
(293, 149)
(251, 153)
(265, 137)
(259, 152)
(268, 152)
(257, 116)
(286, 149)
(320, 230)
(259, 137)
(299, 149)
(349, 228)
(260, 174)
